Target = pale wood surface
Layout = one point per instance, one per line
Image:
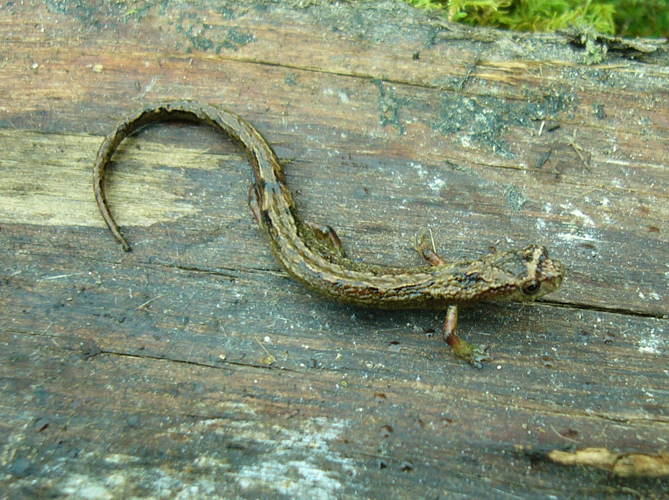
(193, 366)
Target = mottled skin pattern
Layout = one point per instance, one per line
(314, 256)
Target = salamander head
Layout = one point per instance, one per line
(529, 273)
(516, 275)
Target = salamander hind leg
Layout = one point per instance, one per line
(254, 204)
(474, 354)
(328, 237)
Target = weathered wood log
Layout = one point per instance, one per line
(194, 365)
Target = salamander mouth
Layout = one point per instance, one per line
(553, 272)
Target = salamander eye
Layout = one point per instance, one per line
(532, 287)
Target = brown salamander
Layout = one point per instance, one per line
(313, 254)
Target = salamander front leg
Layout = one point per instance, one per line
(473, 353)
(426, 250)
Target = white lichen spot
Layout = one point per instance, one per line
(419, 169)
(650, 343)
(466, 141)
(569, 237)
(436, 184)
(116, 480)
(150, 85)
(586, 219)
(87, 488)
(302, 464)
(120, 459)
(294, 479)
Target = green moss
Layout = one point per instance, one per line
(624, 17)
(644, 18)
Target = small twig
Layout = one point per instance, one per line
(564, 437)
(434, 248)
(470, 72)
(59, 276)
(149, 301)
(578, 149)
(265, 349)
(631, 491)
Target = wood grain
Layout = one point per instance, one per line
(194, 366)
